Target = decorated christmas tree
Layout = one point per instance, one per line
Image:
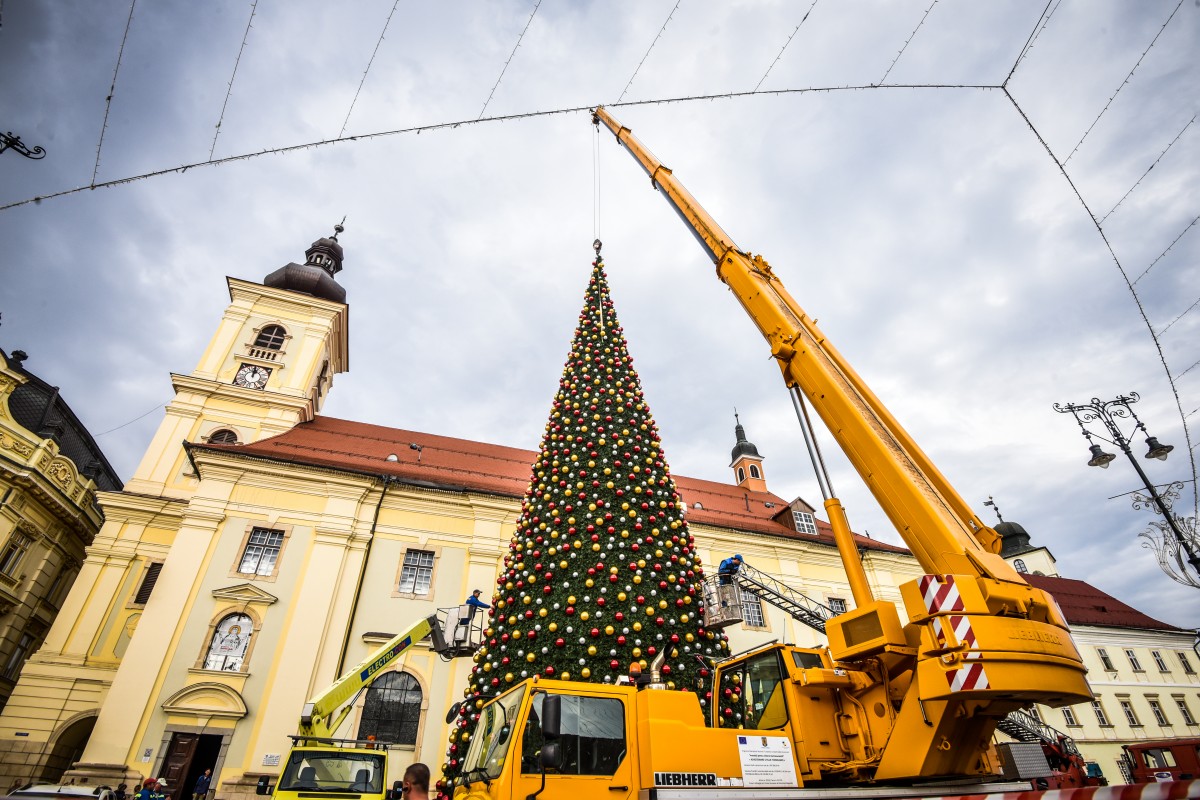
(601, 571)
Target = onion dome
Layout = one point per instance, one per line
(323, 260)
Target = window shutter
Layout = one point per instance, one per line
(143, 592)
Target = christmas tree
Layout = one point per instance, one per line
(601, 571)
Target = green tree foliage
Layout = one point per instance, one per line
(601, 571)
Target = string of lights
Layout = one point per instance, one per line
(1147, 172)
(504, 69)
(1123, 83)
(370, 61)
(127, 424)
(648, 49)
(1167, 327)
(911, 36)
(1038, 27)
(785, 45)
(112, 89)
(1187, 228)
(417, 129)
(229, 89)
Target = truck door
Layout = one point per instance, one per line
(597, 757)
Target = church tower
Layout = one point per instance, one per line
(746, 462)
(267, 368)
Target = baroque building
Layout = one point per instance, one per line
(1145, 673)
(260, 549)
(50, 472)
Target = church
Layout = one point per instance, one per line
(261, 549)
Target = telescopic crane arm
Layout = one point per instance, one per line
(325, 712)
(939, 527)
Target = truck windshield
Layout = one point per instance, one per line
(492, 736)
(332, 771)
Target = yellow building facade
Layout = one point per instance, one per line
(261, 549)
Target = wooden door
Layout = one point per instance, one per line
(178, 762)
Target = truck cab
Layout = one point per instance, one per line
(347, 769)
(611, 742)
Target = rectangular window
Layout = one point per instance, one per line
(1159, 662)
(752, 613)
(1133, 661)
(1185, 712)
(148, 581)
(261, 553)
(1159, 716)
(1033, 712)
(13, 552)
(1187, 665)
(1105, 660)
(1101, 717)
(17, 660)
(417, 573)
(838, 605)
(804, 522)
(1159, 758)
(1130, 717)
(1069, 717)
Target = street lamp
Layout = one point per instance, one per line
(1107, 413)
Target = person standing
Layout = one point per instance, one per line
(200, 790)
(416, 782)
(729, 568)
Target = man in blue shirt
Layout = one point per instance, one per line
(200, 790)
(728, 569)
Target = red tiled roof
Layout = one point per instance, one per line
(1084, 604)
(450, 463)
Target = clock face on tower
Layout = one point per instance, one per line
(251, 376)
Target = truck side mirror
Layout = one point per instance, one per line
(551, 757)
(264, 785)
(551, 717)
(453, 712)
(397, 791)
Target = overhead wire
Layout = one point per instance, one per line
(1038, 27)
(1137, 301)
(1187, 228)
(504, 69)
(1147, 172)
(779, 55)
(904, 46)
(1123, 83)
(596, 182)
(112, 89)
(648, 49)
(417, 129)
(1167, 327)
(127, 424)
(229, 89)
(370, 61)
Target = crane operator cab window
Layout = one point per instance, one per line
(762, 695)
(593, 735)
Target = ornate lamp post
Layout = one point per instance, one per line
(1107, 413)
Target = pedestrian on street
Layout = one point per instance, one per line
(416, 782)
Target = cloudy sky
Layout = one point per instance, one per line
(934, 237)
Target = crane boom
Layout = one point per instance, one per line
(935, 522)
(324, 713)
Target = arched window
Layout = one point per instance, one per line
(754, 473)
(741, 474)
(231, 638)
(271, 337)
(392, 709)
(222, 436)
(1019, 565)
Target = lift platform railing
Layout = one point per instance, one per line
(723, 599)
(463, 626)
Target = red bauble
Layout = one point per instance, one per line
(595, 632)
(614, 664)
(559, 642)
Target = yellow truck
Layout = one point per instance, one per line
(902, 703)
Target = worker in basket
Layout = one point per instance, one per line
(467, 612)
(729, 568)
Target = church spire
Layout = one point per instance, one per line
(746, 461)
(323, 260)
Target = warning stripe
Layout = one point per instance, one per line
(940, 593)
(1174, 790)
(959, 624)
(967, 677)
